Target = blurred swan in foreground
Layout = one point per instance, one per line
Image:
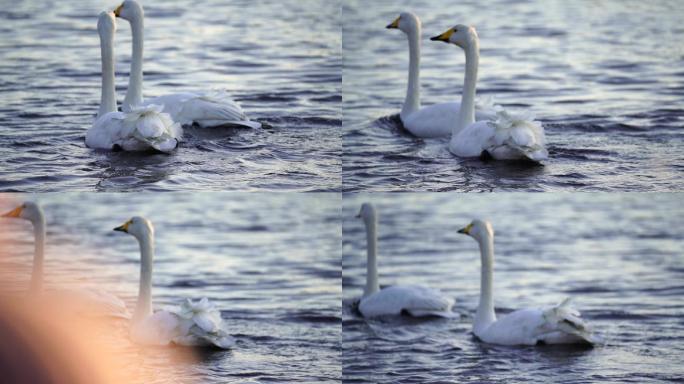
(555, 325)
(414, 300)
(192, 324)
(506, 136)
(204, 109)
(87, 302)
(140, 128)
(436, 120)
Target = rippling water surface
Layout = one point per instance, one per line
(280, 60)
(605, 78)
(618, 255)
(270, 263)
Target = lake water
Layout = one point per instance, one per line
(619, 256)
(270, 263)
(605, 78)
(281, 60)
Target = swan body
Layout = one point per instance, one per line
(436, 120)
(505, 135)
(208, 109)
(560, 324)
(139, 129)
(191, 324)
(395, 300)
(85, 302)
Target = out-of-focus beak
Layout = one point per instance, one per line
(123, 227)
(394, 24)
(117, 11)
(466, 230)
(14, 213)
(444, 36)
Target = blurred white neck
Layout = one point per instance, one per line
(372, 285)
(143, 308)
(485, 311)
(135, 80)
(466, 114)
(38, 255)
(108, 94)
(412, 100)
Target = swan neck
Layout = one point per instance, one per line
(135, 80)
(143, 308)
(372, 284)
(466, 115)
(38, 255)
(108, 95)
(485, 311)
(412, 101)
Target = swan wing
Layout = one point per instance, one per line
(206, 110)
(439, 120)
(556, 325)
(202, 325)
(140, 129)
(416, 300)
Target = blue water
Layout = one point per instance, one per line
(619, 256)
(280, 60)
(270, 263)
(605, 78)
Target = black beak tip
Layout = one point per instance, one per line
(462, 230)
(119, 229)
(434, 38)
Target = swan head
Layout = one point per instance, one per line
(28, 211)
(139, 227)
(407, 22)
(478, 230)
(461, 35)
(106, 24)
(367, 213)
(129, 10)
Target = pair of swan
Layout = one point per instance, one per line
(153, 123)
(498, 133)
(560, 324)
(192, 324)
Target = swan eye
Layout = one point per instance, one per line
(455, 29)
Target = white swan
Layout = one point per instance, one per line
(507, 136)
(139, 129)
(555, 325)
(205, 109)
(436, 120)
(87, 302)
(193, 324)
(395, 300)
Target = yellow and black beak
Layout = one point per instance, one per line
(117, 11)
(394, 24)
(444, 36)
(466, 230)
(123, 227)
(16, 212)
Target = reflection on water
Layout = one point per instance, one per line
(281, 63)
(610, 99)
(270, 263)
(619, 256)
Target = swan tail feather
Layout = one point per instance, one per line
(567, 319)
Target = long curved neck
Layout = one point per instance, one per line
(135, 80)
(38, 255)
(466, 114)
(372, 284)
(412, 101)
(108, 95)
(143, 308)
(485, 311)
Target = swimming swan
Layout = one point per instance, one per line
(86, 302)
(140, 129)
(436, 120)
(193, 324)
(555, 325)
(205, 109)
(507, 136)
(412, 299)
